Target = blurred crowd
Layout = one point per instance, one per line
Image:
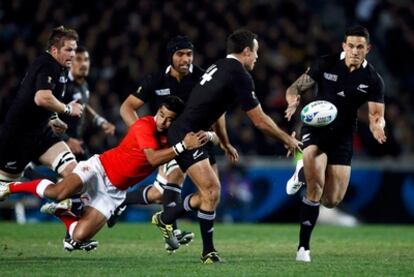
(127, 40)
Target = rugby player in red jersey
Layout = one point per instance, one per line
(103, 179)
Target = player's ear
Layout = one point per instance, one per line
(368, 47)
(247, 51)
(343, 45)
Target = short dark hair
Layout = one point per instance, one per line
(59, 35)
(173, 103)
(239, 40)
(357, 31)
(81, 49)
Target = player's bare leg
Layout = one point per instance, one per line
(89, 224)
(336, 184)
(315, 163)
(208, 196)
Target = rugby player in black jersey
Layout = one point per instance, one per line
(178, 79)
(78, 90)
(226, 82)
(347, 80)
(25, 135)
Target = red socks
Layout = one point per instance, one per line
(35, 187)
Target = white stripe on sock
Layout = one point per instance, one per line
(41, 187)
(72, 228)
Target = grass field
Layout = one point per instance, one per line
(249, 250)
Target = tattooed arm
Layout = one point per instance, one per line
(294, 92)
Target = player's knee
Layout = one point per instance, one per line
(211, 194)
(64, 163)
(154, 195)
(176, 177)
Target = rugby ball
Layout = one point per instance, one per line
(318, 113)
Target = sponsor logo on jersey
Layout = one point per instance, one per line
(139, 89)
(161, 92)
(341, 93)
(362, 88)
(63, 79)
(330, 77)
(197, 154)
(49, 79)
(77, 96)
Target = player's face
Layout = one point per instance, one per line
(81, 64)
(252, 56)
(164, 118)
(182, 59)
(356, 49)
(66, 53)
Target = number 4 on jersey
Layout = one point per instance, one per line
(208, 75)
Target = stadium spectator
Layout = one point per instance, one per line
(103, 179)
(122, 38)
(347, 80)
(25, 135)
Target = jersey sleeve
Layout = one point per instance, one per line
(146, 87)
(46, 78)
(377, 91)
(244, 86)
(144, 132)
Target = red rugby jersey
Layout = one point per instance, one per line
(126, 164)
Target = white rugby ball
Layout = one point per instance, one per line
(318, 113)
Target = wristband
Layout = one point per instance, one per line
(179, 148)
(99, 120)
(210, 135)
(68, 109)
(54, 116)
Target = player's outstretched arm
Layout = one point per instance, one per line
(46, 99)
(129, 109)
(377, 121)
(294, 92)
(265, 124)
(191, 141)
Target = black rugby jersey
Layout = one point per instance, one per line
(346, 90)
(155, 87)
(79, 92)
(223, 84)
(45, 73)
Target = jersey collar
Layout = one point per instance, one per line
(70, 76)
(364, 63)
(167, 70)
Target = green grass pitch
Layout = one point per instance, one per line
(248, 249)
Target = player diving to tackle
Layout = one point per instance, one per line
(103, 179)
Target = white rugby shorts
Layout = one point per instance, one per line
(98, 192)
